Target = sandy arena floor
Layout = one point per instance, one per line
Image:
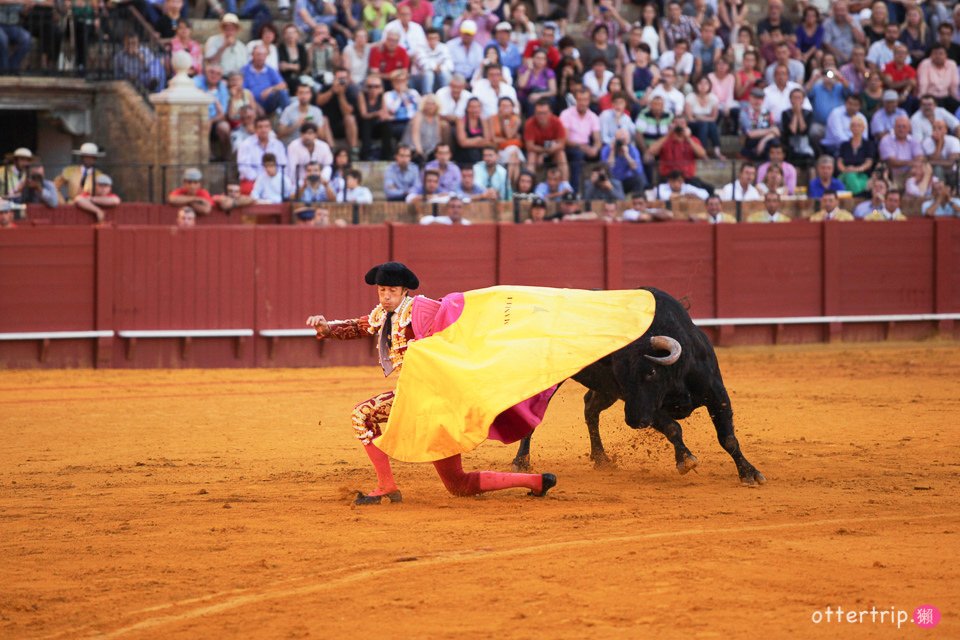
(205, 504)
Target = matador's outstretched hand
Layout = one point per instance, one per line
(320, 324)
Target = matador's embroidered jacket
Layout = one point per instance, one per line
(394, 332)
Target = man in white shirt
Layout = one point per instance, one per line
(776, 96)
(491, 88)
(412, 36)
(679, 59)
(306, 149)
(432, 65)
(673, 99)
(355, 191)
(225, 47)
(453, 99)
(837, 130)
(453, 214)
(921, 122)
(742, 189)
(272, 185)
(881, 51)
(676, 186)
(299, 113)
(251, 151)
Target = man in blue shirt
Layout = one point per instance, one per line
(401, 177)
(625, 162)
(465, 52)
(824, 180)
(510, 56)
(265, 83)
(825, 96)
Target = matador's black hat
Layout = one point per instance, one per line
(392, 274)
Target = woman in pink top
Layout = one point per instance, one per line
(183, 42)
(724, 86)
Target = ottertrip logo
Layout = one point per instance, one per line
(507, 308)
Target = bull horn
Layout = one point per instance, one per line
(664, 343)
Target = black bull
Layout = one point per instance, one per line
(658, 390)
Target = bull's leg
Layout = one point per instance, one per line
(521, 462)
(671, 429)
(595, 403)
(722, 415)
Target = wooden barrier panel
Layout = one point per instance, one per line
(553, 255)
(448, 259)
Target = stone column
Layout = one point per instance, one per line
(182, 124)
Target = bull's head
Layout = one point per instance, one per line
(643, 383)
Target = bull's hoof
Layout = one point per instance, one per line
(602, 461)
(521, 464)
(689, 463)
(752, 478)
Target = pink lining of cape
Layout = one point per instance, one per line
(517, 422)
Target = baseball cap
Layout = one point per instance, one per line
(192, 174)
(306, 214)
(890, 94)
(103, 178)
(503, 26)
(468, 26)
(538, 202)
(569, 196)
(550, 24)
(230, 18)
(756, 92)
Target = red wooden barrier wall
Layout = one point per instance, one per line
(271, 277)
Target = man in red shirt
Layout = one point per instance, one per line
(192, 194)
(547, 41)
(901, 77)
(389, 56)
(421, 11)
(544, 136)
(679, 151)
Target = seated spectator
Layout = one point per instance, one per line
(640, 75)
(856, 157)
(777, 96)
(676, 186)
(772, 182)
(943, 203)
(841, 32)
(547, 41)
(890, 211)
(921, 122)
(355, 191)
(266, 37)
(881, 52)
(225, 47)
(376, 14)
(899, 76)
(624, 162)
(265, 83)
(491, 177)
(400, 105)
(653, 123)
(376, 138)
(856, 71)
(640, 212)
(271, 186)
(323, 57)
(615, 119)
(484, 20)
(246, 130)
(299, 113)
(535, 82)
(824, 180)
(877, 187)
(183, 42)
(15, 41)
(597, 78)
(191, 193)
(583, 134)
(505, 130)
(429, 189)
(675, 26)
(251, 151)
(15, 169)
(448, 172)
(356, 56)
(136, 63)
(465, 51)
(723, 85)
(937, 76)
(899, 150)
(715, 213)
(102, 197)
(757, 127)
(554, 187)
(747, 78)
(37, 189)
(882, 121)
(941, 149)
(679, 151)
(703, 112)
(538, 212)
(232, 198)
(706, 50)
(470, 190)
(211, 82)
(453, 100)
(472, 135)
(401, 176)
(673, 99)
(778, 159)
(79, 178)
(315, 187)
(492, 88)
(340, 106)
(742, 189)
(293, 59)
(571, 210)
(510, 55)
(6, 215)
(388, 57)
(919, 182)
(600, 186)
(452, 214)
(771, 210)
(545, 138)
(795, 124)
(809, 34)
(186, 217)
(525, 185)
(826, 95)
(433, 65)
(601, 47)
(830, 209)
(306, 149)
(426, 130)
(412, 37)
(795, 68)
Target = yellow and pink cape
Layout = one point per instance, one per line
(492, 358)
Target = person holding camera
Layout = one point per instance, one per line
(37, 189)
(601, 186)
(624, 162)
(679, 151)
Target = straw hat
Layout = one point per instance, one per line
(89, 149)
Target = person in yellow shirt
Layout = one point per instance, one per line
(771, 210)
(80, 178)
(715, 213)
(831, 209)
(890, 209)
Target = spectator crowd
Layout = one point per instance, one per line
(473, 100)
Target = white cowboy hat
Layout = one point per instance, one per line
(89, 149)
(23, 152)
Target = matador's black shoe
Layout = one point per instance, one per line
(547, 481)
(394, 496)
